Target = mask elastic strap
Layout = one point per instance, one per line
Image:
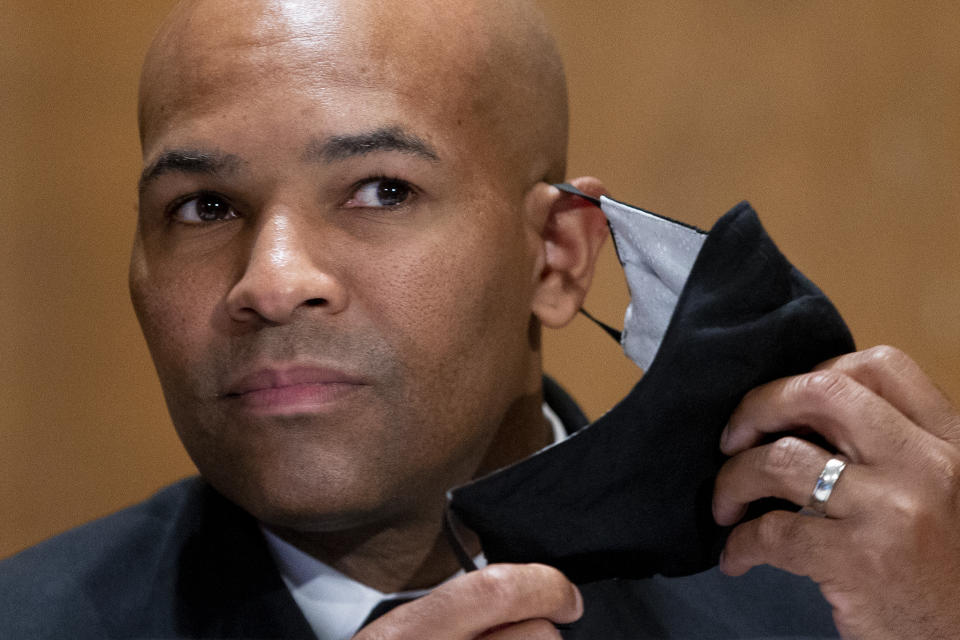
(566, 187)
(613, 333)
(569, 188)
(450, 522)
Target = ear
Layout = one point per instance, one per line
(572, 231)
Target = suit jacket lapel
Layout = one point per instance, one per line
(218, 579)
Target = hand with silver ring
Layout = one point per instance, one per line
(887, 554)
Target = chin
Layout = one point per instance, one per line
(318, 502)
(313, 521)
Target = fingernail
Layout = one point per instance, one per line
(579, 596)
(723, 555)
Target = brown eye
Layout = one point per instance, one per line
(381, 193)
(206, 207)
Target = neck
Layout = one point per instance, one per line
(412, 552)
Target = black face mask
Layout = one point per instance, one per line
(711, 317)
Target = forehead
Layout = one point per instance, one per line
(211, 53)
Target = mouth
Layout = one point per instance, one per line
(292, 390)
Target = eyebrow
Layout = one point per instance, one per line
(337, 148)
(188, 161)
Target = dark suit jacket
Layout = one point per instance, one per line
(187, 563)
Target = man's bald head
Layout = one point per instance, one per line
(490, 66)
(345, 250)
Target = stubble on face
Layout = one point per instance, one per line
(437, 329)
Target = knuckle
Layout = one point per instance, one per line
(822, 387)
(944, 465)
(496, 583)
(768, 531)
(908, 524)
(907, 510)
(931, 491)
(782, 455)
(776, 528)
(783, 536)
(886, 357)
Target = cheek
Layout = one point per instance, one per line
(175, 309)
(458, 309)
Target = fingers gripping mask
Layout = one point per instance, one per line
(711, 316)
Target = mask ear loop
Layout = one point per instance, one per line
(613, 333)
(450, 524)
(566, 187)
(572, 190)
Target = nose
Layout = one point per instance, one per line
(282, 275)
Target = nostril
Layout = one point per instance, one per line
(315, 302)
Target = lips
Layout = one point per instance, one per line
(292, 390)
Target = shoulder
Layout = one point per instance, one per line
(765, 603)
(106, 565)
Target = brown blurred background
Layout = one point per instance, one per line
(838, 121)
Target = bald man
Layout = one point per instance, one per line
(346, 249)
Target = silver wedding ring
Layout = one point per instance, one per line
(824, 487)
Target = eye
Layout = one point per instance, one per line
(381, 193)
(206, 207)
